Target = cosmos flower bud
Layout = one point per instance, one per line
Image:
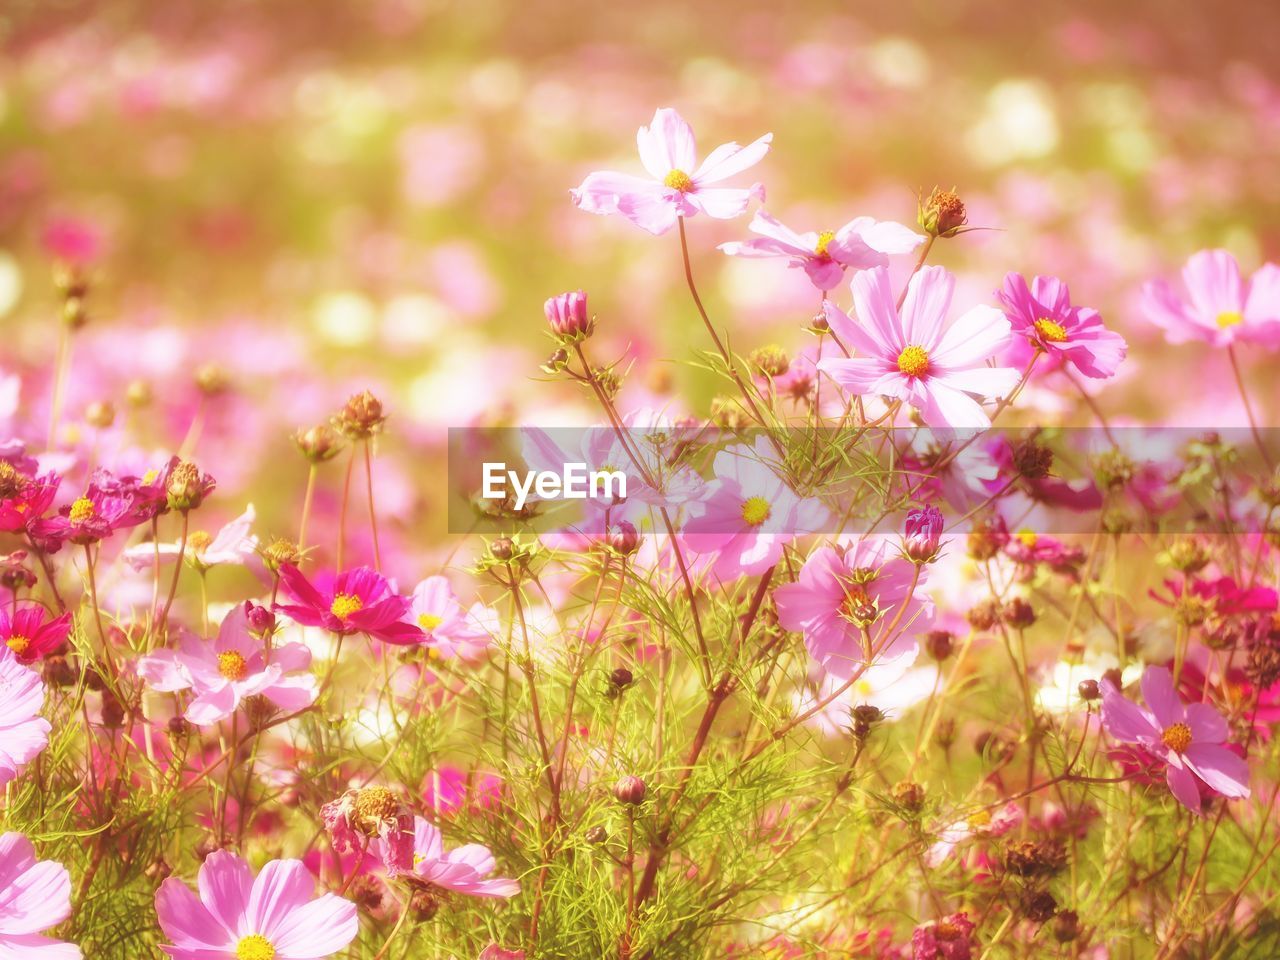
(503, 549)
(1089, 690)
(113, 711)
(70, 281)
(1032, 460)
(212, 379)
(868, 713)
(1018, 613)
(624, 538)
(319, 443)
(366, 892)
(945, 733)
(558, 360)
(1066, 926)
(187, 487)
(100, 414)
(568, 317)
(630, 791)
(923, 535)
(261, 620)
(621, 678)
(609, 381)
(983, 615)
(909, 795)
(939, 643)
(1040, 906)
(138, 393)
(157, 870)
(727, 413)
(772, 360)
(280, 552)
(596, 836)
(942, 214)
(1187, 556)
(985, 541)
(424, 905)
(178, 727)
(362, 416)
(58, 672)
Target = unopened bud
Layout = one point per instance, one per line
(1089, 690)
(100, 414)
(568, 317)
(939, 643)
(909, 796)
(630, 791)
(362, 416)
(624, 538)
(212, 379)
(1018, 613)
(772, 360)
(1066, 926)
(942, 214)
(319, 443)
(596, 836)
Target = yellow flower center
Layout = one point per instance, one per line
(81, 510)
(345, 604)
(946, 931)
(1028, 537)
(913, 361)
(18, 643)
(373, 807)
(1229, 318)
(232, 665)
(150, 476)
(863, 688)
(199, 541)
(429, 621)
(1177, 737)
(824, 240)
(755, 510)
(1051, 330)
(255, 947)
(979, 819)
(678, 180)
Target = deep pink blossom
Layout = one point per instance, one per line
(1043, 317)
(24, 499)
(677, 185)
(465, 869)
(950, 938)
(234, 666)
(858, 245)
(355, 601)
(23, 732)
(237, 916)
(913, 356)
(88, 519)
(844, 600)
(31, 633)
(1187, 738)
(923, 535)
(1222, 307)
(34, 896)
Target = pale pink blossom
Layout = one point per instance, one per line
(465, 869)
(449, 629)
(34, 896)
(1222, 307)
(677, 186)
(233, 544)
(23, 732)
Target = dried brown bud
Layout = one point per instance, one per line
(596, 836)
(772, 360)
(319, 443)
(984, 615)
(939, 643)
(279, 552)
(1032, 459)
(1039, 906)
(942, 214)
(1066, 926)
(362, 417)
(909, 796)
(1018, 613)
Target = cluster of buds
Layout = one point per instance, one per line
(73, 285)
(319, 443)
(942, 214)
(187, 487)
(568, 317)
(361, 418)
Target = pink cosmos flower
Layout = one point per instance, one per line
(912, 358)
(234, 666)
(447, 628)
(355, 601)
(463, 870)
(88, 519)
(233, 544)
(1043, 317)
(23, 499)
(1187, 738)
(274, 916)
(748, 513)
(373, 819)
(679, 187)
(31, 634)
(495, 952)
(23, 732)
(891, 685)
(34, 896)
(859, 244)
(950, 938)
(1223, 308)
(922, 538)
(845, 594)
(981, 824)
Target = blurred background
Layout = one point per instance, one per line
(282, 203)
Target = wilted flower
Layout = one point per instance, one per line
(372, 818)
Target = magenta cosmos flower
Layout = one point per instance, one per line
(274, 916)
(950, 938)
(34, 896)
(464, 870)
(24, 499)
(355, 601)
(1188, 738)
(748, 513)
(1042, 315)
(234, 666)
(1223, 308)
(860, 244)
(914, 357)
(677, 186)
(23, 732)
(447, 628)
(845, 594)
(31, 634)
